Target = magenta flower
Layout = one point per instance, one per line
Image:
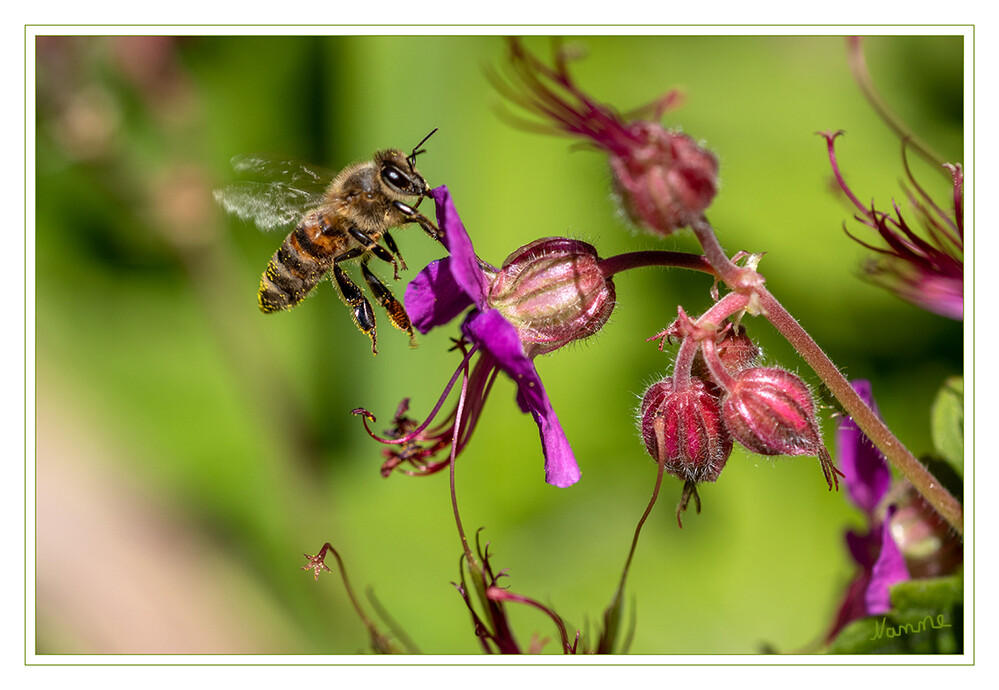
(664, 179)
(926, 270)
(546, 295)
(881, 562)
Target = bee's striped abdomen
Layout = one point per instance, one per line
(296, 267)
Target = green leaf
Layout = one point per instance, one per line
(932, 593)
(927, 617)
(947, 423)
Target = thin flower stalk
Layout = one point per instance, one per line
(612, 614)
(380, 642)
(456, 433)
(497, 593)
(629, 260)
(485, 580)
(858, 67)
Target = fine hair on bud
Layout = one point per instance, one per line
(684, 430)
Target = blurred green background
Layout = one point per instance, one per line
(190, 449)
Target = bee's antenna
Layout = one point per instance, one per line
(417, 150)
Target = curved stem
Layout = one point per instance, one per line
(711, 319)
(684, 362)
(495, 593)
(858, 66)
(629, 260)
(613, 613)
(737, 277)
(350, 590)
(724, 308)
(473, 564)
(830, 138)
(868, 422)
(641, 523)
(719, 373)
(379, 642)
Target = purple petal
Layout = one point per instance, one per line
(888, 570)
(864, 547)
(867, 475)
(499, 338)
(852, 606)
(433, 298)
(561, 469)
(464, 264)
(943, 295)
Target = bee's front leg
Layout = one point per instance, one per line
(414, 216)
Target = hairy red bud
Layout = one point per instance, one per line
(736, 352)
(684, 429)
(770, 411)
(666, 180)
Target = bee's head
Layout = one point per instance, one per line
(399, 176)
(398, 171)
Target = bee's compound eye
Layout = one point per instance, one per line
(396, 178)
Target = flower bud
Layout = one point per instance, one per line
(770, 411)
(665, 180)
(929, 546)
(553, 292)
(684, 429)
(736, 352)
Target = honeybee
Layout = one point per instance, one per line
(339, 217)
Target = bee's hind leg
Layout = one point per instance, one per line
(364, 317)
(393, 307)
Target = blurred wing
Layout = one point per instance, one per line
(292, 172)
(280, 193)
(270, 205)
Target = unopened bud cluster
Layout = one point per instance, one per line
(553, 292)
(690, 421)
